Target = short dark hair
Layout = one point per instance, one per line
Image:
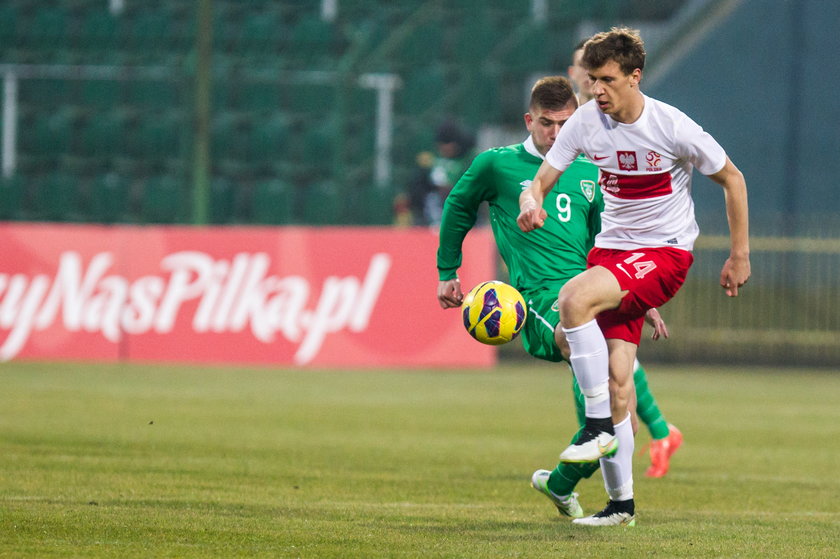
(553, 93)
(620, 44)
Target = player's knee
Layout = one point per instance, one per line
(574, 309)
(562, 343)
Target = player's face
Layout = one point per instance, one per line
(545, 124)
(613, 90)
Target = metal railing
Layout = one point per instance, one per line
(787, 314)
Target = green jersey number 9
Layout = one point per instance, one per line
(564, 207)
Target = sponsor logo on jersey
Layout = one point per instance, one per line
(636, 187)
(555, 306)
(627, 161)
(588, 189)
(525, 184)
(653, 160)
(599, 157)
(610, 183)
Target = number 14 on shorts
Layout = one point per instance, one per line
(641, 267)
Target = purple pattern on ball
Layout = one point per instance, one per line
(520, 315)
(493, 323)
(491, 302)
(491, 307)
(466, 315)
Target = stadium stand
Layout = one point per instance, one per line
(109, 199)
(11, 197)
(161, 199)
(287, 105)
(56, 197)
(272, 202)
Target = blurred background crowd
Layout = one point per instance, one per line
(312, 111)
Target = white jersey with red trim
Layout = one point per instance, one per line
(645, 172)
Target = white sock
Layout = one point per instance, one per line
(618, 470)
(590, 360)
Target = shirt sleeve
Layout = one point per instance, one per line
(699, 147)
(566, 146)
(460, 211)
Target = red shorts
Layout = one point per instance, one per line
(651, 277)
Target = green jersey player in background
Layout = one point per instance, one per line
(541, 262)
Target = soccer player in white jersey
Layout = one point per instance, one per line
(646, 151)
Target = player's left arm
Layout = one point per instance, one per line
(736, 269)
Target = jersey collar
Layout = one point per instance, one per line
(531, 148)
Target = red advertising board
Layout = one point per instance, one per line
(331, 297)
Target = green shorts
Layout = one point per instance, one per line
(543, 317)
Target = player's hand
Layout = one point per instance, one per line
(449, 293)
(735, 273)
(531, 215)
(660, 329)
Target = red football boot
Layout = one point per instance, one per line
(661, 451)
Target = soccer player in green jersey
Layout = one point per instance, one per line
(542, 261)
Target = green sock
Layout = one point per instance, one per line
(646, 407)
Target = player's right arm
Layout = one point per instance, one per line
(460, 211)
(449, 293)
(531, 213)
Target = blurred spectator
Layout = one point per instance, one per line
(579, 76)
(436, 173)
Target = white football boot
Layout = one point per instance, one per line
(568, 506)
(591, 446)
(616, 513)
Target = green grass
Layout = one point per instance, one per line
(150, 461)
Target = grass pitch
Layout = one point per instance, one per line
(149, 461)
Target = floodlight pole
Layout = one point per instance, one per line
(384, 84)
(201, 156)
(10, 110)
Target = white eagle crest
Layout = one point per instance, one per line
(627, 160)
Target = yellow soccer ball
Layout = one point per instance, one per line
(494, 312)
